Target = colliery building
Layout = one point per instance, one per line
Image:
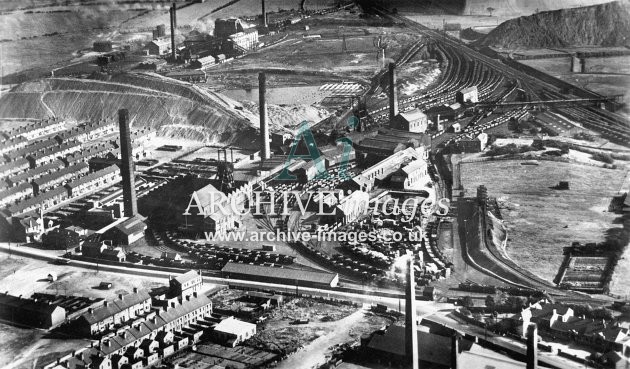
(414, 121)
(388, 142)
(114, 312)
(30, 312)
(245, 41)
(279, 275)
(159, 47)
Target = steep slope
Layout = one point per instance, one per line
(174, 109)
(605, 24)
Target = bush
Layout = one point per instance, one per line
(603, 157)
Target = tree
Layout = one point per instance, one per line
(467, 301)
(490, 303)
(490, 10)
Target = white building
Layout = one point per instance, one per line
(232, 331)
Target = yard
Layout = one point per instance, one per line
(542, 220)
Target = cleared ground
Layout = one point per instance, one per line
(541, 220)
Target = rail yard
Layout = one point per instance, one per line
(332, 185)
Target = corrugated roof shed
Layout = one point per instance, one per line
(263, 271)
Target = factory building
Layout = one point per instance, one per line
(114, 312)
(93, 181)
(231, 331)
(204, 62)
(30, 312)
(126, 231)
(472, 144)
(205, 214)
(387, 142)
(279, 275)
(159, 47)
(185, 285)
(245, 41)
(378, 173)
(352, 207)
(224, 28)
(468, 95)
(414, 121)
(413, 176)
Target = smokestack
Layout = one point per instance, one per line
(264, 14)
(411, 334)
(128, 177)
(455, 340)
(265, 151)
(532, 346)
(393, 96)
(172, 11)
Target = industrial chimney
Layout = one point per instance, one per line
(455, 341)
(128, 177)
(265, 151)
(532, 346)
(173, 13)
(411, 334)
(393, 96)
(264, 14)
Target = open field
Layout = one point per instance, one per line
(541, 220)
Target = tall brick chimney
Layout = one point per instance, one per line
(265, 150)
(393, 95)
(127, 170)
(411, 333)
(532, 346)
(264, 14)
(173, 13)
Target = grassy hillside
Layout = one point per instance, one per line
(605, 24)
(174, 109)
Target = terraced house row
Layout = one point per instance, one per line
(43, 201)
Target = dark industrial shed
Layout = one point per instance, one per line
(280, 275)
